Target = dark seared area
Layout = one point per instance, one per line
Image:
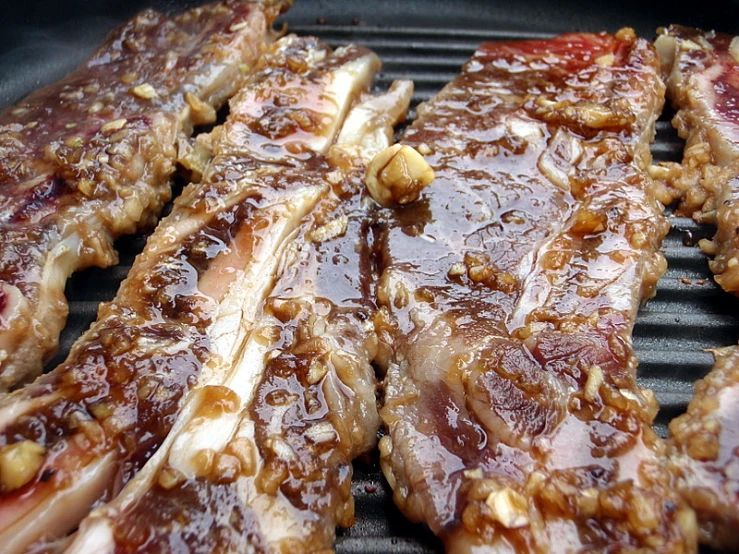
(690, 313)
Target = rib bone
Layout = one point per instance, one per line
(270, 469)
(507, 294)
(88, 159)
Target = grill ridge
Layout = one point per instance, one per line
(671, 332)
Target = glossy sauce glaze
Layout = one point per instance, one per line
(703, 447)
(178, 321)
(702, 74)
(89, 158)
(282, 481)
(261, 461)
(507, 295)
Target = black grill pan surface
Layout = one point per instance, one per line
(426, 41)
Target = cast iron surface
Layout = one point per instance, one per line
(426, 41)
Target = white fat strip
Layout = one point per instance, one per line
(190, 435)
(97, 538)
(214, 434)
(346, 84)
(243, 378)
(95, 535)
(277, 518)
(62, 262)
(238, 309)
(229, 70)
(59, 513)
(370, 123)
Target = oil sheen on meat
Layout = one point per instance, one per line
(702, 75)
(262, 462)
(88, 159)
(704, 447)
(507, 295)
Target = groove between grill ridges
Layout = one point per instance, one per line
(684, 299)
(674, 148)
(419, 95)
(78, 307)
(675, 253)
(476, 36)
(679, 224)
(116, 272)
(672, 401)
(411, 63)
(425, 45)
(672, 393)
(371, 517)
(664, 125)
(687, 343)
(674, 358)
(649, 320)
(669, 364)
(381, 545)
(438, 79)
(680, 221)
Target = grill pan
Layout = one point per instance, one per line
(426, 41)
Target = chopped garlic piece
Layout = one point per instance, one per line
(281, 448)
(114, 125)
(19, 462)
(630, 395)
(201, 112)
(708, 247)
(170, 478)
(238, 26)
(398, 175)
(331, 230)
(595, 380)
(473, 473)
(688, 45)
(457, 269)
(424, 149)
(526, 130)
(321, 432)
(606, 60)
(316, 372)
(508, 508)
(145, 91)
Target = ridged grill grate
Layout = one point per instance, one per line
(689, 314)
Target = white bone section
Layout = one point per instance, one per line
(370, 123)
(347, 83)
(241, 356)
(61, 510)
